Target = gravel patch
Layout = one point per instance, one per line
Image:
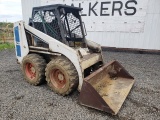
(21, 101)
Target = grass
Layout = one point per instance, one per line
(6, 46)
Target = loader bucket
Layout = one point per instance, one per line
(107, 88)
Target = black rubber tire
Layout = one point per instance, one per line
(39, 64)
(70, 75)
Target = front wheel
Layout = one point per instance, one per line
(33, 68)
(61, 75)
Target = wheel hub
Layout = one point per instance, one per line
(30, 71)
(58, 78)
(33, 69)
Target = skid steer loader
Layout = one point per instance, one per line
(53, 47)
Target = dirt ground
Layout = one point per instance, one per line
(21, 101)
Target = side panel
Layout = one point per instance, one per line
(21, 45)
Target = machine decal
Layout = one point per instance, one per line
(18, 50)
(17, 40)
(16, 33)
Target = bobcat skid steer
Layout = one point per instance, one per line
(53, 47)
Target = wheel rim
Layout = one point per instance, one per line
(58, 78)
(30, 71)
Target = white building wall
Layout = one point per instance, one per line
(140, 31)
(27, 6)
(149, 39)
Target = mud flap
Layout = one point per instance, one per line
(107, 88)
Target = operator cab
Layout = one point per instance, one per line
(61, 22)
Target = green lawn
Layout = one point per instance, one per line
(6, 46)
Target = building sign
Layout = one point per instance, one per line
(109, 15)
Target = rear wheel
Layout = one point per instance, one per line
(33, 68)
(61, 75)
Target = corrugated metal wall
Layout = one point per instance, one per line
(149, 38)
(27, 6)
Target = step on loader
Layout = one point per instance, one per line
(53, 47)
